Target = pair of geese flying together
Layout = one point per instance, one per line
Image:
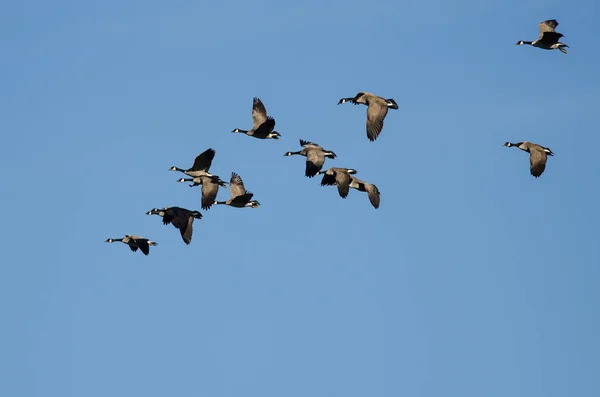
(264, 126)
(315, 158)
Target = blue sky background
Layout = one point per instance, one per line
(472, 279)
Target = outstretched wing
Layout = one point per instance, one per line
(314, 162)
(259, 112)
(143, 244)
(236, 185)
(537, 161)
(376, 112)
(548, 26)
(209, 193)
(185, 228)
(343, 183)
(203, 161)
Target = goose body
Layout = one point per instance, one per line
(362, 186)
(210, 188)
(201, 165)
(264, 126)
(340, 177)
(135, 242)
(180, 218)
(315, 157)
(376, 111)
(548, 39)
(538, 155)
(240, 197)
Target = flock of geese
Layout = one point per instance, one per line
(264, 128)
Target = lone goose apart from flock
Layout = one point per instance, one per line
(135, 242)
(548, 39)
(201, 164)
(376, 111)
(537, 156)
(338, 176)
(240, 197)
(315, 157)
(362, 186)
(210, 188)
(264, 125)
(181, 218)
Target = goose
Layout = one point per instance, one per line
(537, 155)
(362, 186)
(315, 157)
(210, 188)
(263, 125)
(240, 197)
(181, 218)
(338, 176)
(548, 39)
(201, 165)
(135, 242)
(376, 111)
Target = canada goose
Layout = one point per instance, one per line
(240, 197)
(315, 157)
(338, 176)
(181, 218)
(537, 156)
(363, 186)
(210, 188)
(201, 164)
(135, 242)
(263, 124)
(548, 39)
(376, 111)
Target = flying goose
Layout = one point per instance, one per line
(548, 39)
(181, 218)
(135, 242)
(263, 125)
(376, 111)
(210, 188)
(240, 197)
(201, 164)
(537, 156)
(362, 186)
(315, 157)
(338, 176)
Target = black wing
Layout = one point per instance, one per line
(143, 244)
(203, 161)
(265, 128)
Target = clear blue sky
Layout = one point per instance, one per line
(472, 279)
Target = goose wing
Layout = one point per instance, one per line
(376, 113)
(184, 224)
(242, 199)
(548, 26)
(373, 193)
(142, 243)
(537, 160)
(209, 193)
(328, 178)
(314, 161)
(236, 185)
(259, 113)
(265, 128)
(203, 161)
(343, 183)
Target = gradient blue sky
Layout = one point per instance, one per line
(472, 279)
